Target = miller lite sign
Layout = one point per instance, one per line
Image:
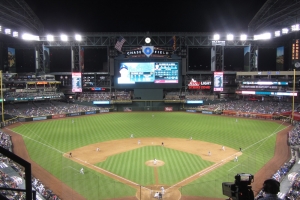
(194, 85)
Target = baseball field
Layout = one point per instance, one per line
(191, 161)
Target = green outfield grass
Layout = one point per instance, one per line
(46, 142)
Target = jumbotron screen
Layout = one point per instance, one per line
(147, 74)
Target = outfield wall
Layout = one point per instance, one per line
(148, 106)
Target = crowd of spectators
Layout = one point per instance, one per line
(104, 96)
(33, 109)
(294, 178)
(17, 181)
(254, 106)
(40, 188)
(294, 192)
(196, 95)
(94, 96)
(280, 175)
(294, 135)
(32, 95)
(284, 169)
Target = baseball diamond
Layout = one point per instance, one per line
(122, 169)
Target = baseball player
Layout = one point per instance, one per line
(236, 159)
(81, 171)
(223, 148)
(209, 153)
(131, 136)
(70, 155)
(154, 161)
(162, 190)
(98, 149)
(139, 142)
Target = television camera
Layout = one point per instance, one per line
(241, 189)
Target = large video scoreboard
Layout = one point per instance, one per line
(154, 74)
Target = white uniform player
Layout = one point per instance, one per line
(81, 171)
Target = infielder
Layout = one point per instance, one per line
(236, 159)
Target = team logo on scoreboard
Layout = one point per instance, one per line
(148, 50)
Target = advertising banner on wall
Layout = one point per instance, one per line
(46, 59)
(247, 59)
(194, 85)
(11, 60)
(127, 109)
(197, 85)
(76, 82)
(58, 116)
(168, 109)
(218, 81)
(279, 58)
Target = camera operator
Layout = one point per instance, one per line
(270, 188)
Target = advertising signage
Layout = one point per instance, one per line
(195, 85)
(76, 82)
(218, 81)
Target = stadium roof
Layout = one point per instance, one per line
(275, 14)
(16, 14)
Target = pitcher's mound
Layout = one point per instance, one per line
(151, 163)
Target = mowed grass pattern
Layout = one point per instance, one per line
(46, 142)
(132, 163)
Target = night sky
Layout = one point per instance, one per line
(144, 16)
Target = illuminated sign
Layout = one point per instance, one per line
(97, 88)
(218, 81)
(264, 83)
(41, 82)
(194, 84)
(76, 82)
(148, 51)
(218, 42)
(101, 102)
(268, 93)
(194, 101)
(259, 87)
(205, 83)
